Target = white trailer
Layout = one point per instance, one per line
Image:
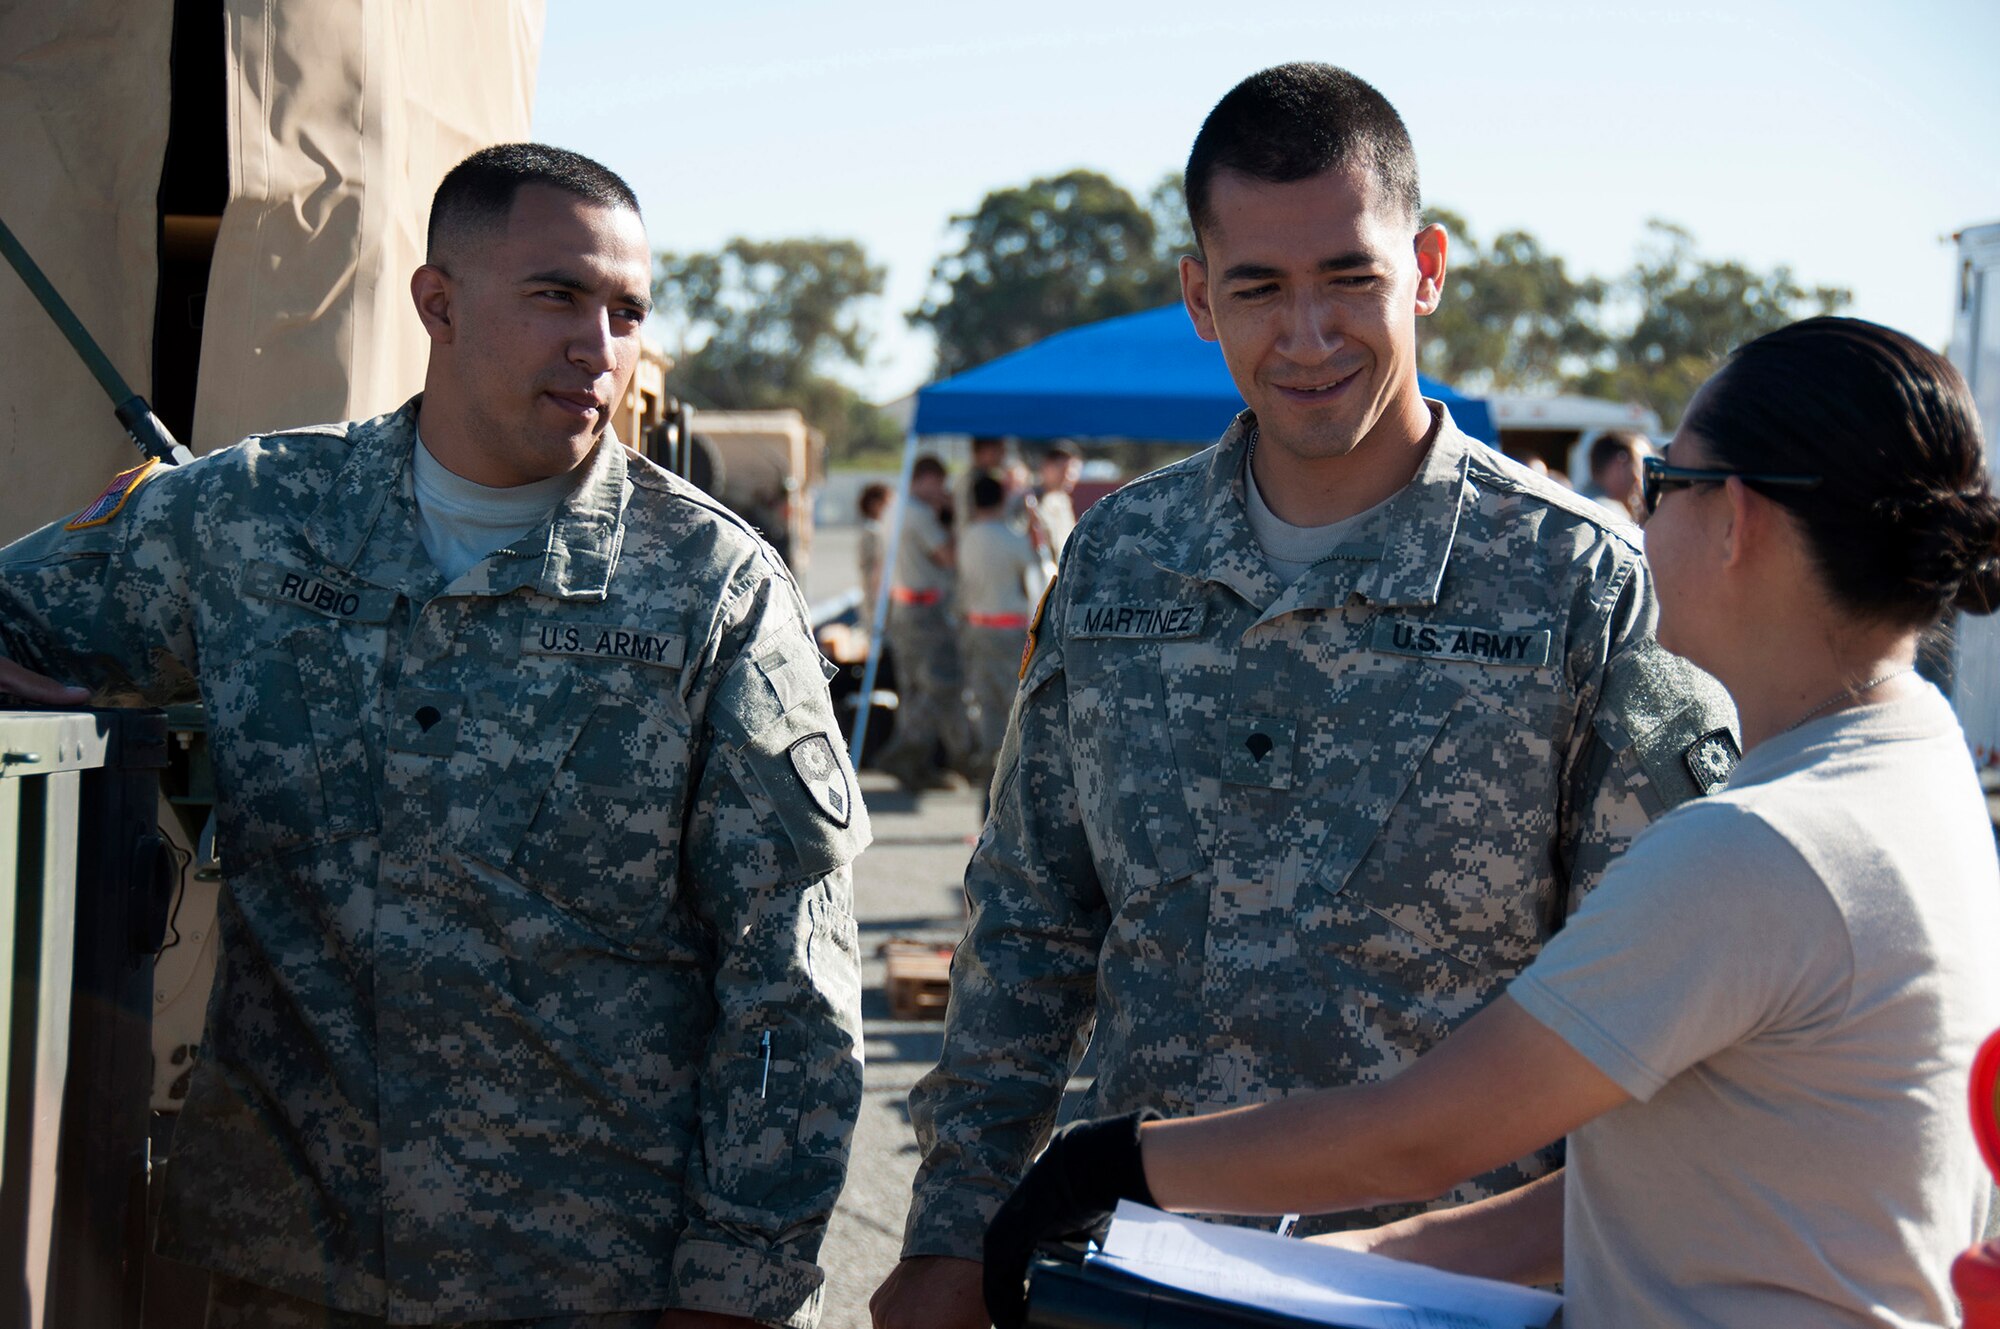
(1560, 430)
(1975, 349)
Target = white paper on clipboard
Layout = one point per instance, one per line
(1321, 1284)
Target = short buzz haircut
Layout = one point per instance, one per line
(477, 194)
(1293, 122)
(926, 465)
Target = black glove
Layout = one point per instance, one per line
(1087, 1169)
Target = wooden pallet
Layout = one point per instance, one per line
(919, 979)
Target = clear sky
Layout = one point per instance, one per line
(1846, 139)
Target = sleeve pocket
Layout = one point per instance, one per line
(749, 1164)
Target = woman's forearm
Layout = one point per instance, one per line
(1499, 1088)
(1516, 1237)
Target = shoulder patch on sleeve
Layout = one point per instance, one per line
(1711, 758)
(820, 770)
(802, 773)
(1035, 629)
(1677, 722)
(111, 502)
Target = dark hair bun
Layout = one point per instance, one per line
(1978, 520)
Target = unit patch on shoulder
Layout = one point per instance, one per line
(818, 767)
(1035, 628)
(112, 501)
(1710, 759)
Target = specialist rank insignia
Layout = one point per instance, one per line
(818, 767)
(1711, 758)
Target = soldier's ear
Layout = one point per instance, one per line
(431, 292)
(1431, 247)
(1195, 295)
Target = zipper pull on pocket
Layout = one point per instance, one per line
(764, 1082)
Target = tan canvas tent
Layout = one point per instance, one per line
(287, 284)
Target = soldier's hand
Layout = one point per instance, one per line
(1077, 1182)
(930, 1292)
(28, 685)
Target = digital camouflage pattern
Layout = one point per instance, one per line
(233, 1304)
(1269, 838)
(539, 989)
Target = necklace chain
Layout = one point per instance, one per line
(1846, 694)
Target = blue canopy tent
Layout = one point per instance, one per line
(1140, 376)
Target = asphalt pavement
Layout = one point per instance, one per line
(907, 884)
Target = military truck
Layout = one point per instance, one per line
(765, 466)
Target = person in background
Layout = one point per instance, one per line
(1322, 732)
(1757, 1031)
(1055, 516)
(930, 710)
(1615, 459)
(988, 456)
(1019, 486)
(873, 506)
(1000, 577)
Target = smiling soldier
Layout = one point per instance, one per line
(1321, 732)
(539, 996)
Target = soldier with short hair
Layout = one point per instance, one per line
(930, 685)
(1000, 577)
(1055, 514)
(1322, 731)
(539, 993)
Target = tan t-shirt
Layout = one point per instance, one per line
(999, 572)
(923, 535)
(1791, 976)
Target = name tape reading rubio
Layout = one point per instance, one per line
(294, 586)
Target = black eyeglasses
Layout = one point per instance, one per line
(1656, 478)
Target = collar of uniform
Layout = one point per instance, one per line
(588, 529)
(1216, 544)
(367, 523)
(571, 558)
(1400, 555)
(367, 520)
(1411, 537)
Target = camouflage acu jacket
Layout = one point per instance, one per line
(1268, 838)
(539, 991)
